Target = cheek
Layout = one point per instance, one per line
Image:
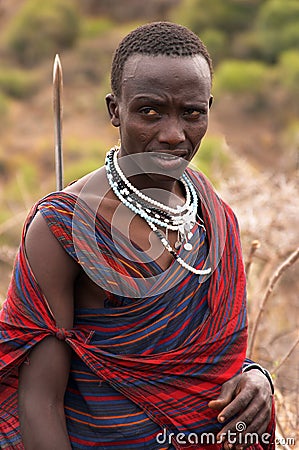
(204, 128)
(198, 132)
(137, 134)
(143, 137)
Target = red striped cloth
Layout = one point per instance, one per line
(167, 352)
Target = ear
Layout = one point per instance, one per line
(113, 109)
(211, 101)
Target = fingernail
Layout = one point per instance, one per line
(221, 419)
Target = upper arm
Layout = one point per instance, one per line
(46, 375)
(54, 270)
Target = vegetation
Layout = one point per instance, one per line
(3, 106)
(277, 26)
(213, 159)
(42, 28)
(17, 83)
(288, 66)
(240, 77)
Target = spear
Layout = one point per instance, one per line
(57, 107)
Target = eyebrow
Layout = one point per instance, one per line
(151, 98)
(159, 101)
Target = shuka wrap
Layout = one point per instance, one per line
(150, 363)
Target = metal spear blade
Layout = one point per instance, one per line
(57, 107)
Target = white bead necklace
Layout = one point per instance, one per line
(147, 208)
(182, 222)
(146, 198)
(183, 263)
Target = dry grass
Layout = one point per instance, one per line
(267, 209)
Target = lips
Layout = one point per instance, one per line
(166, 157)
(169, 160)
(176, 153)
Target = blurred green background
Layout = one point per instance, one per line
(250, 152)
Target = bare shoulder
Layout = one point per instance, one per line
(40, 242)
(95, 190)
(61, 278)
(54, 270)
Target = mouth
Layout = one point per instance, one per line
(166, 157)
(169, 161)
(177, 153)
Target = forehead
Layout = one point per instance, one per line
(143, 72)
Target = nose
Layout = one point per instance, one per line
(171, 132)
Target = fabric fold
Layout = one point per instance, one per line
(166, 354)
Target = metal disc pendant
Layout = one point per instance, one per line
(188, 246)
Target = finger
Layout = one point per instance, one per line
(238, 433)
(219, 403)
(237, 406)
(251, 436)
(227, 393)
(227, 445)
(258, 425)
(257, 420)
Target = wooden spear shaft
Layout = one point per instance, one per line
(57, 107)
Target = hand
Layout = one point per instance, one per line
(247, 400)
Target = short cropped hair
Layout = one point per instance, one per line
(153, 39)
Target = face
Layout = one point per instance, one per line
(164, 107)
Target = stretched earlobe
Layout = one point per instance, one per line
(113, 109)
(211, 101)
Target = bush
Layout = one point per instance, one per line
(95, 27)
(79, 169)
(42, 29)
(288, 68)
(4, 118)
(3, 107)
(3, 166)
(17, 83)
(128, 10)
(240, 77)
(278, 27)
(229, 16)
(23, 176)
(212, 158)
(275, 14)
(217, 44)
(246, 46)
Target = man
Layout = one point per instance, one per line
(125, 322)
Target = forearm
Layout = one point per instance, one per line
(41, 390)
(43, 426)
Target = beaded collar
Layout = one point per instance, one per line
(182, 218)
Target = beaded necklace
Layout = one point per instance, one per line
(182, 218)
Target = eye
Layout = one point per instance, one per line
(148, 111)
(192, 113)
